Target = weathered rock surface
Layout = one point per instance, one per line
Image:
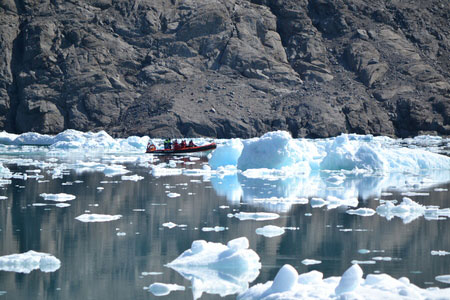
(228, 68)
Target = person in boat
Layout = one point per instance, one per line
(167, 144)
(191, 144)
(176, 146)
(183, 144)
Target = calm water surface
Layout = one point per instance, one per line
(97, 263)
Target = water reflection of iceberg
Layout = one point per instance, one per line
(215, 268)
(287, 191)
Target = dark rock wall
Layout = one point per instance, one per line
(225, 68)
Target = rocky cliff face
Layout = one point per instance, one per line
(225, 68)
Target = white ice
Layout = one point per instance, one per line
(308, 286)
(97, 218)
(440, 252)
(132, 177)
(257, 216)
(443, 278)
(164, 289)
(61, 197)
(29, 261)
(308, 261)
(215, 268)
(270, 231)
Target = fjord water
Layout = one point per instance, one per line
(121, 258)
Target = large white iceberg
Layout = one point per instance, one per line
(29, 261)
(350, 152)
(215, 268)
(288, 284)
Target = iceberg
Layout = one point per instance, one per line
(270, 231)
(61, 197)
(163, 289)
(97, 218)
(288, 284)
(29, 261)
(215, 268)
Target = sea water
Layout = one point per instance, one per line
(115, 220)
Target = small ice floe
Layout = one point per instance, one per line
(62, 205)
(121, 233)
(164, 289)
(134, 177)
(173, 195)
(97, 218)
(363, 251)
(215, 268)
(257, 216)
(61, 197)
(171, 225)
(443, 278)
(215, 229)
(440, 252)
(333, 202)
(270, 231)
(384, 258)
(29, 261)
(363, 211)
(440, 190)
(3, 197)
(151, 273)
(413, 194)
(409, 210)
(308, 262)
(364, 262)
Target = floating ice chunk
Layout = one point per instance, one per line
(62, 205)
(284, 281)
(151, 273)
(364, 262)
(215, 228)
(97, 218)
(257, 216)
(226, 154)
(29, 261)
(61, 197)
(350, 286)
(169, 225)
(173, 195)
(412, 194)
(350, 280)
(317, 202)
(163, 289)
(408, 210)
(270, 231)
(308, 262)
(443, 278)
(220, 269)
(363, 251)
(440, 252)
(363, 211)
(132, 177)
(3, 197)
(382, 258)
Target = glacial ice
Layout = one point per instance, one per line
(61, 197)
(257, 216)
(29, 261)
(164, 289)
(308, 261)
(215, 268)
(270, 231)
(97, 218)
(288, 284)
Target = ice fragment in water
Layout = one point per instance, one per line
(169, 225)
(308, 262)
(440, 252)
(132, 177)
(215, 228)
(29, 261)
(62, 197)
(220, 269)
(270, 231)
(350, 280)
(257, 216)
(443, 278)
(173, 195)
(163, 289)
(97, 218)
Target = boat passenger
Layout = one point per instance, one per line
(191, 144)
(176, 146)
(167, 144)
(183, 144)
